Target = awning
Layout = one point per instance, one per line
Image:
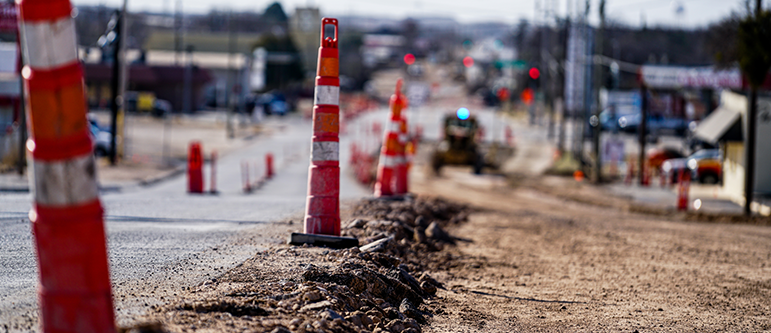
(721, 125)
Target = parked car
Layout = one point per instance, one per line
(272, 103)
(102, 137)
(657, 156)
(706, 166)
(655, 124)
(609, 118)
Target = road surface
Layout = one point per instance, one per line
(161, 238)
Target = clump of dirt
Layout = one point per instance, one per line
(381, 286)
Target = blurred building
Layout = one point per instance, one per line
(727, 127)
(10, 85)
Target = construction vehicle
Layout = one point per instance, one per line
(460, 145)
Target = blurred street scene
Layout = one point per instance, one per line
(572, 165)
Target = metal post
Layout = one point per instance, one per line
(114, 87)
(123, 67)
(188, 89)
(642, 129)
(177, 31)
(598, 78)
(231, 77)
(749, 176)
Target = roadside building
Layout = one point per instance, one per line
(10, 85)
(726, 127)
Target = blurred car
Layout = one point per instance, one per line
(272, 103)
(610, 117)
(654, 124)
(657, 156)
(102, 137)
(706, 166)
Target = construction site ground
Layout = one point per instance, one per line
(530, 254)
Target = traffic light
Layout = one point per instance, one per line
(409, 59)
(533, 76)
(534, 73)
(468, 61)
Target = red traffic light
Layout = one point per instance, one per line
(409, 59)
(535, 73)
(468, 61)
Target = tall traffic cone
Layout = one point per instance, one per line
(322, 212)
(194, 168)
(268, 166)
(402, 168)
(74, 292)
(392, 153)
(683, 187)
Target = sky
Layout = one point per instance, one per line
(695, 13)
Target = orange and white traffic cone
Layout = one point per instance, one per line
(322, 212)
(683, 188)
(392, 152)
(67, 216)
(402, 168)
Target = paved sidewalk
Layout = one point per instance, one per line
(148, 161)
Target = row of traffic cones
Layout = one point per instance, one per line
(683, 181)
(393, 165)
(249, 185)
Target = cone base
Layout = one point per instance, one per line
(334, 242)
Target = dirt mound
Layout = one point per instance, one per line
(379, 287)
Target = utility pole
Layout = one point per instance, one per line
(114, 86)
(546, 79)
(642, 129)
(231, 77)
(123, 67)
(188, 84)
(749, 177)
(598, 78)
(563, 116)
(177, 31)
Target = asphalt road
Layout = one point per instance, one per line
(161, 238)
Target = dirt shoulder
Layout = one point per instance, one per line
(539, 262)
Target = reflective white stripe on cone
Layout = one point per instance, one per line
(65, 183)
(55, 43)
(326, 95)
(325, 151)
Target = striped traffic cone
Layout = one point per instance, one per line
(322, 212)
(402, 180)
(392, 153)
(67, 216)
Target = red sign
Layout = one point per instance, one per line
(8, 17)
